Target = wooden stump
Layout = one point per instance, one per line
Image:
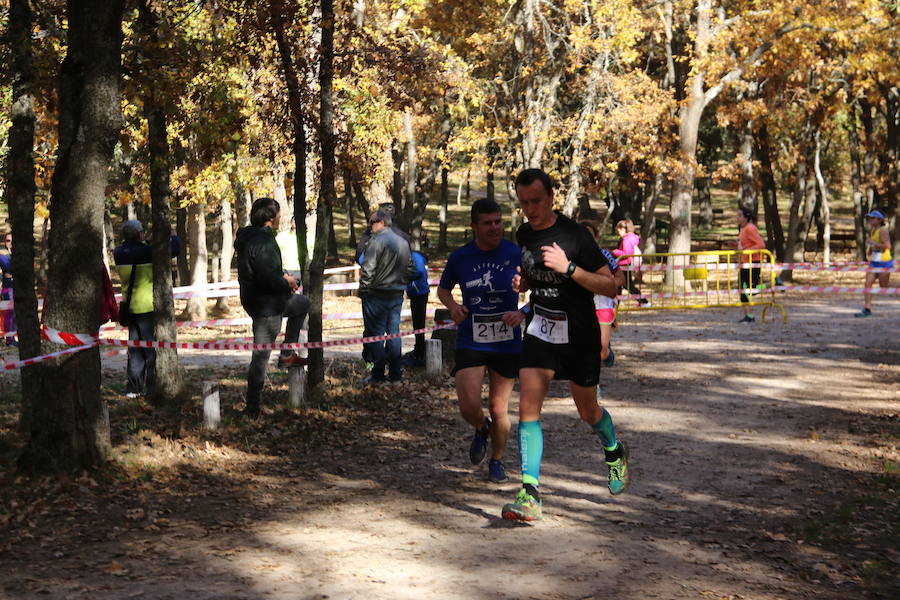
(446, 336)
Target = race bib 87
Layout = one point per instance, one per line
(487, 329)
(549, 325)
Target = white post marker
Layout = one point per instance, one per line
(297, 375)
(433, 362)
(211, 415)
(104, 407)
(296, 386)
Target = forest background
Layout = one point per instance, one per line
(181, 113)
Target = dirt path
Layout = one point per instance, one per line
(764, 462)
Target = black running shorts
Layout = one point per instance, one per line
(579, 364)
(505, 364)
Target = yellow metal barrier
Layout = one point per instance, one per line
(700, 280)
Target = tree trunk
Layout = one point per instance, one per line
(397, 181)
(243, 199)
(768, 191)
(705, 214)
(683, 189)
(327, 194)
(279, 193)
(859, 205)
(184, 268)
(571, 206)
(67, 427)
(445, 197)
(890, 164)
(411, 169)
(167, 378)
(361, 201)
(226, 253)
(198, 259)
(823, 191)
(295, 103)
(348, 199)
(468, 186)
(747, 197)
(20, 192)
(648, 215)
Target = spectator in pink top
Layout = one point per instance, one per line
(628, 246)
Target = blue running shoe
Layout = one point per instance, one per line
(496, 471)
(478, 448)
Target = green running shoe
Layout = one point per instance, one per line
(525, 508)
(619, 478)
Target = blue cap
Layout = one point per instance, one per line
(876, 214)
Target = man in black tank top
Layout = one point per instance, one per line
(563, 268)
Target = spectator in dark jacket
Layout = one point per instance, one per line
(136, 255)
(387, 267)
(6, 291)
(267, 294)
(417, 292)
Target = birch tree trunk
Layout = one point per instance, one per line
(411, 170)
(823, 194)
(226, 230)
(198, 259)
(585, 119)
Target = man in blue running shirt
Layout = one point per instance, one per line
(488, 333)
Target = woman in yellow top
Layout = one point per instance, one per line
(748, 239)
(879, 250)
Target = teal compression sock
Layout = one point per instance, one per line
(531, 447)
(606, 431)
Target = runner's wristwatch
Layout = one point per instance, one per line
(571, 269)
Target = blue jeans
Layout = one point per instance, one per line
(381, 315)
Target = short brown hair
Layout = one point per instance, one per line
(628, 224)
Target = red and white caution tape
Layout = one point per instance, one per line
(39, 359)
(68, 339)
(55, 335)
(830, 289)
(348, 316)
(834, 268)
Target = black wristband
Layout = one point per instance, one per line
(571, 270)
